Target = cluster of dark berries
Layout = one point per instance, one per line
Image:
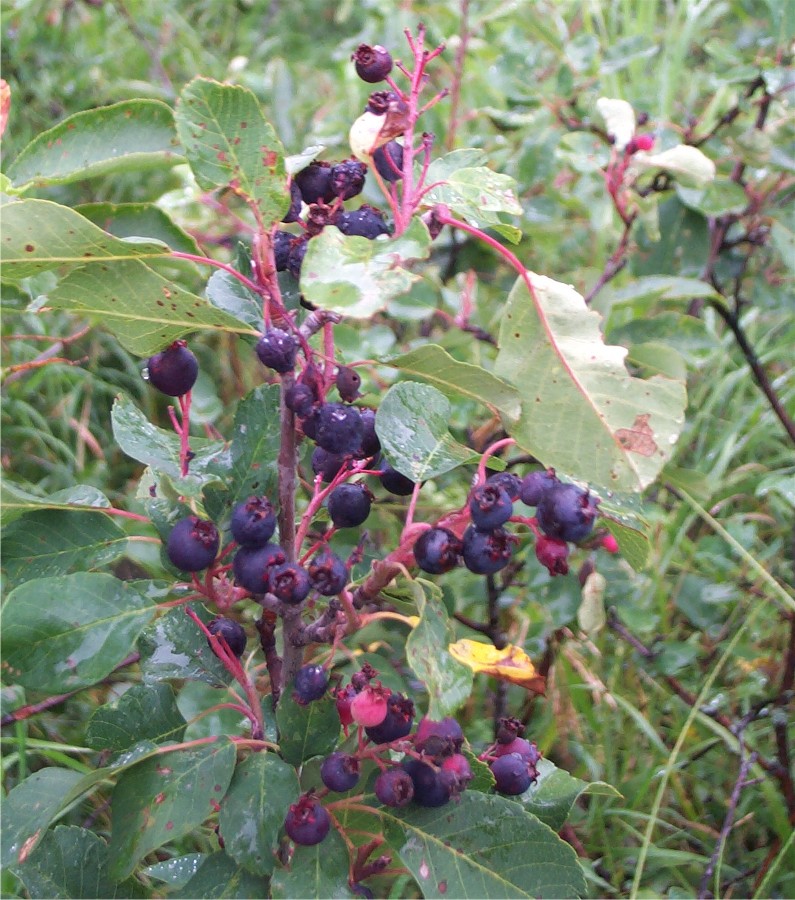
(173, 371)
(513, 760)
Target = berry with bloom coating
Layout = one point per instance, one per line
(394, 787)
(289, 582)
(174, 370)
(567, 512)
(311, 683)
(490, 506)
(232, 632)
(553, 553)
(348, 382)
(339, 428)
(282, 241)
(523, 747)
(277, 349)
(431, 787)
(396, 723)
(253, 522)
(326, 464)
(486, 552)
(314, 182)
(440, 738)
(370, 442)
(396, 482)
(307, 821)
(340, 772)
(372, 64)
(328, 574)
(535, 485)
(294, 211)
(512, 774)
(193, 544)
(300, 398)
(458, 766)
(347, 178)
(388, 161)
(509, 482)
(252, 566)
(349, 505)
(437, 551)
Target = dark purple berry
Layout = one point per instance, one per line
(395, 482)
(553, 553)
(509, 482)
(381, 102)
(490, 506)
(388, 161)
(314, 183)
(253, 522)
(340, 772)
(348, 382)
(347, 178)
(567, 512)
(535, 485)
(282, 241)
(458, 767)
(307, 822)
(296, 256)
(441, 738)
(512, 774)
(398, 721)
(328, 574)
(252, 566)
(289, 582)
(299, 398)
(366, 222)
(339, 428)
(326, 464)
(524, 748)
(193, 544)
(431, 787)
(311, 683)
(294, 211)
(370, 442)
(372, 64)
(349, 505)
(232, 632)
(174, 370)
(437, 551)
(486, 552)
(394, 787)
(277, 349)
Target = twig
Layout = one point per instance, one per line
(458, 74)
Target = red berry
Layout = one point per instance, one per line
(610, 543)
(343, 697)
(553, 554)
(368, 707)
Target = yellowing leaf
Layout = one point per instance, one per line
(509, 664)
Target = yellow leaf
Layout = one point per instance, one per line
(509, 664)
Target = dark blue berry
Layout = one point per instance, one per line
(282, 241)
(307, 822)
(509, 482)
(232, 632)
(340, 772)
(314, 183)
(296, 256)
(299, 398)
(326, 464)
(490, 506)
(294, 211)
(311, 683)
(372, 64)
(289, 582)
(395, 482)
(522, 747)
(347, 178)
(253, 522)
(431, 787)
(370, 442)
(366, 222)
(567, 512)
(388, 160)
(349, 505)
(512, 774)
(535, 485)
(486, 552)
(193, 544)
(277, 349)
(398, 721)
(328, 574)
(394, 787)
(437, 551)
(348, 382)
(174, 370)
(442, 738)
(339, 428)
(252, 566)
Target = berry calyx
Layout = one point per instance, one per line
(252, 566)
(486, 552)
(289, 582)
(253, 522)
(339, 428)
(340, 772)
(311, 683)
(509, 482)
(369, 706)
(394, 787)
(192, 544)
(232, 632)
(307, 822)
(372, 64)
(174, 370)
(277, 349)
(553, 554)
(489, 506)
(567, 512)
(349, 505)
(437, 551)
(328, 574)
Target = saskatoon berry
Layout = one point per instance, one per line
(349, 505)
(388, 161)
(348, 382)
(457, 765)
(511, 774)
(380, 102)
(174, 370)
(252, 566)
(294, 211)
(343, 698)
(307, 822)
(369, 707)
(310, 684)
(326, 464)
(253, 522)
(520, 746)
(282, 241)
(193, 544)
(328, 574)
(277, 349)
(347, 178)
(489, 506)
(232, 632)
(553, 553)
(397, 722)
(314, 183)
(440, 738)
(370, 443)
(372, 64)
(366, 222)
(296, 256)
(396, 482)
(339, 428)
(509, 482)
(289, 582)
(486, 552)
(299, 398)
(394, 787)
(566, 512)
(340, 772)
(431, 787)
(535, 485)
(437, 551)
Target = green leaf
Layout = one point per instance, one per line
(221, 876)
(164, 798)
(39, 235)
(645, 293)
(458, 379)
(228, 293)
(125, 220)
(412, 425)
(72, 862)
(143, 309)
(177, 871)
(720, 198)
(308, 730)
(582, 412)
(253, 811)
(229, 144)
(553, 795)
(256, 439)
(477, 195)
(623, 516)
(319, 872)
(130, 136)
(358, 277)
(144, 712)
(15, 501)
(60, 634)
(53, 541)
(448, 681)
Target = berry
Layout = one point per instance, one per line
(511, 774)
(535, 485)
(253, 522)
(289, 582)
(553, 553)
(610, 543)
(509, 482)
(282, 241)
(277, 349)
(397, 722)
(296, 256)
(388, 161)
(339, 428)
(567, 512)
(347, 178)
(520, 746)
(489, 506)
(349, 505)
(394, 787)
(328, 574)
(193, 544)
(311, 683)
(300, 398)
(314, 183)
(508, 729)
(348, 382)
(307, 822)
(366, 222)
(458, 766)
(252, 566)
(431, 787)
(437, 551)
(343, 697)
(340, 772)
(174, 370)
(640, 142)
(232, 632)
(372, 64)
(370, 442)
(396, 482)
(326, 464)
(381, 102)
(440, 738)
(294, 211)
(486, 552)
(369, 706)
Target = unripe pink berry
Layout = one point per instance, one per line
(368, 707)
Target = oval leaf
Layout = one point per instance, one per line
(308, 730)
(318, 872)
(143, 713)
(144, 220)
(510, 663)
(220, 876)
(555, 792)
